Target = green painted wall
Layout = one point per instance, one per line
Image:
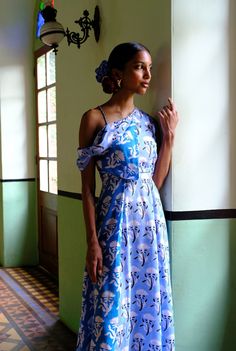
(72, 249)
(204, 277)
(19, 224)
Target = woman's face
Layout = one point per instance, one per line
(136, 75)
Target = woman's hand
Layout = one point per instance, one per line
(168, 119)
(94, 260)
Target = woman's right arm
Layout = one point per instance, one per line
(88, 130)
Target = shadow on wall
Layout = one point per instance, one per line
(161, 77)
(161, 91)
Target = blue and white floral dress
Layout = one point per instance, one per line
(130, 307)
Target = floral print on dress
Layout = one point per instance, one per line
(130, 306)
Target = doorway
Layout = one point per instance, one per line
(46, 158)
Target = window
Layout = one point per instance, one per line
(46, 124)
(40, 23)
(40, 19)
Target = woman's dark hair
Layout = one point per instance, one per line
(119, 57)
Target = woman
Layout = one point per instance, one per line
(127, 303)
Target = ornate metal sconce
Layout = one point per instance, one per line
(86, 25)
(52, 32)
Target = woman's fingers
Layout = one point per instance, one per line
(171, 105)
(168, 117)
(99, 266)
(94, 262)
(95, 269)
(165, 111)
(160, 113)
(170, 110)
(92, 270)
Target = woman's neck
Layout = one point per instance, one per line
(121, 103)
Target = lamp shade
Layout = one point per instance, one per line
(51, 33)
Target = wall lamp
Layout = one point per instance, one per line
(52, 32)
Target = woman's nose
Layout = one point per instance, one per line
(147, 73)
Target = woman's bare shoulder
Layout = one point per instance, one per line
(90, 114)
(91, 123)
(92, 118)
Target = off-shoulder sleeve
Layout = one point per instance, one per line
(85, 154)
(99, 146)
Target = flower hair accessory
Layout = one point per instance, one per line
(102, 71)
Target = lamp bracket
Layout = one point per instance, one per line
(86, 25)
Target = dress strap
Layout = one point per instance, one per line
(103, 114)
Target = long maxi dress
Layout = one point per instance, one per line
(130, 306)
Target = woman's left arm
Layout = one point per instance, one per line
(168, 121)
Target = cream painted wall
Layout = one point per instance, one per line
(18, 233)
(77, 89)
(16, 90)
(204, 85)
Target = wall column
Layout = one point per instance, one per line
(203, 196)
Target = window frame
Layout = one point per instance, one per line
(44, 51)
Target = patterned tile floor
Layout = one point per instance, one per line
(29, 312)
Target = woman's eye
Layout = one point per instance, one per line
(143, 67)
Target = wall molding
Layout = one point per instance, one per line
(18, 180)
(203, 214)
(177, 215)
(71, 195)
